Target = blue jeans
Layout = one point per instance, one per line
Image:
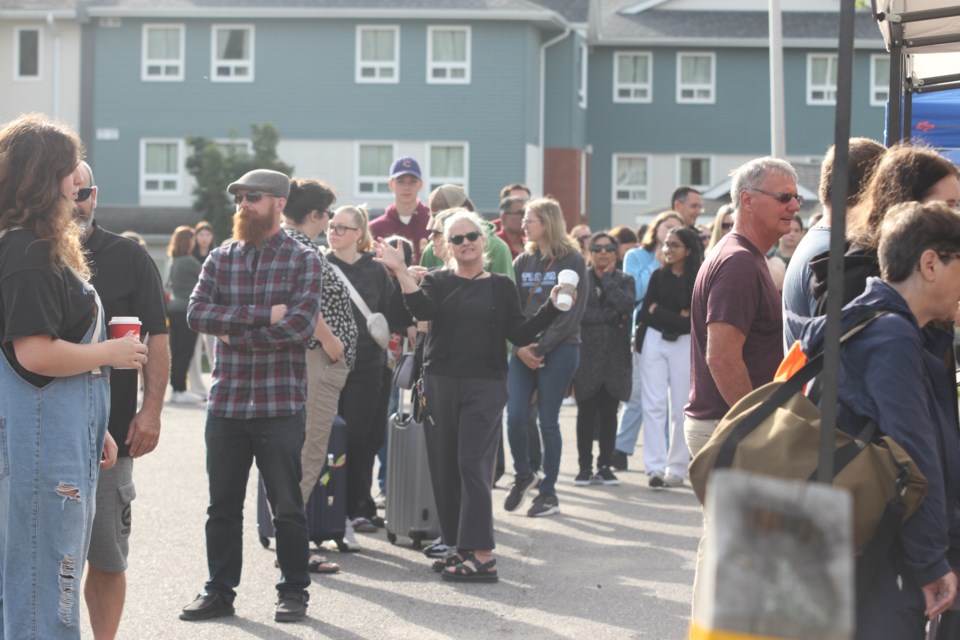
(232, 446)
(551, 382)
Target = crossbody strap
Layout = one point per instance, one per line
(539, 280)
(779, 397)
(354, 295)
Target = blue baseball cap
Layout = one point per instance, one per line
(405, 166)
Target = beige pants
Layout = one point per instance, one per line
(697, 433)
(325, 380)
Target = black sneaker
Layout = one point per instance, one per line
(518, 491)
(583, 478)
(606, 477)
(618, 460)
(656, 480)
(437, 549)
(206, 607)
(544, 505)
(291, 607)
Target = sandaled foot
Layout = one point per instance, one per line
(450, 561)
(472, 570)
(320, 564)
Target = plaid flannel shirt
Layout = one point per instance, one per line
(262, 372)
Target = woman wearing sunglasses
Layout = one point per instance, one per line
(365, 396)
(602, 380)
(665, 358)
(54, 382)
(722, 225)
(472, 314)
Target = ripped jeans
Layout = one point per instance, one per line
(50, 444)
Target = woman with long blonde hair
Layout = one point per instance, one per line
(55, 383)
(548, 364)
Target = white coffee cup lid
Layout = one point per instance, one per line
(124, 320)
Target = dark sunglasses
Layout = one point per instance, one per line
(726, 225)
(252, 197)
(83, 194)
(473, 236)
(603, 248)
(782, 196)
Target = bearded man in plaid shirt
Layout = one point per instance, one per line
(260, 295)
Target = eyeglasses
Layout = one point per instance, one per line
(672, 246)
(781, 197)
(340, 229)
(726, 225)
(528, 221)
(252, 197)
(603, 248)
(953, 255)
(84, 193)
(473, 236)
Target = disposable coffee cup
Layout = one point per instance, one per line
(123, 326)
(568, 280)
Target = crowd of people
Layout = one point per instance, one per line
(666, 326)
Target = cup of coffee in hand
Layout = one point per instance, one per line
(568, 280)
(123, 326)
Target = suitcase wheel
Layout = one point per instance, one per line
(417, 544)
(392, 538)
(341, 545)
(265, 541)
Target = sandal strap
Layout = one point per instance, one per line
(463, 569)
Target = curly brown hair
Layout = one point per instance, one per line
(36, 154)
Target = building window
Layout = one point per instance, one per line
(696, 77)
(160, 167)
(378, 54)
(232, 53)
(631, 180)
(26, 54)
(163, 47)
(447, 165)
(695, 172)
(582, 90)
(822, 78)
(235, 147)
(373, 169)
(448, 55)
(879, 80)
(632, 73)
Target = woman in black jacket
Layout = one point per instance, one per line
(603, 377)
(665, 358)
(472, 314)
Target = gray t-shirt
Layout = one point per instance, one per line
(798, 300)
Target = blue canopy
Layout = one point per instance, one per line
(936, 121)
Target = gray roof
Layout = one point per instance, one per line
(655, 25)
(576, 11)
(422, 5)
(37, 5)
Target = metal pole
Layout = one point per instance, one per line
(778, 136)
(831, 344)
(894, 113)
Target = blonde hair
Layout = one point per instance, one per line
(360, 218)
(555, 236)
(454, 216)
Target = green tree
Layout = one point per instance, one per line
(214, 165)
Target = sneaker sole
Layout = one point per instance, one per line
(582, 483)
(611, 483)
(220, 613)
(547, 512)
(287, 617)
(523, 496)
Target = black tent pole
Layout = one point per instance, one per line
(838, 224)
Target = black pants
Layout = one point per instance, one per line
(461, 453)
(363, 405)
(599, 409)
(182, 341)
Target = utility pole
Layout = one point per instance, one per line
(778, 136)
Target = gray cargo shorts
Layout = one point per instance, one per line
(110, 538)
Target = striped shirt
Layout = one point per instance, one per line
(262, 372)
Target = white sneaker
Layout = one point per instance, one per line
(569, 401)
(671, 480)
(185, 397)
(350, 537)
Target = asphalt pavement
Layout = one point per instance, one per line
(617, 562)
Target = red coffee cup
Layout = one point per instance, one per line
(122, 326)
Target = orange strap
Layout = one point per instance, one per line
(793, 362)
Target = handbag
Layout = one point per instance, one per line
(775, 431)
(377, 324)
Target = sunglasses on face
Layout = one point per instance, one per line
(473, 236)
(252, 197)
(340, 229)
(83, 194)
(782, 196)
(603, 248)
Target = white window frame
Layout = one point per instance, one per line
(144, 176)
(884, 86)
(632, 86)
(645, 188)
(432, 181)
(694, 156)
(377, 66)
(249, 62)
(431, 65)
(146, 63)
(584, 83)
(16, 54)
(711, 87)
(384, 178)
(820, 87)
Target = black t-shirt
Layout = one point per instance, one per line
(470, 346)
(36, 299)
(128, 282)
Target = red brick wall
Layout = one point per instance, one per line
(562, 180)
